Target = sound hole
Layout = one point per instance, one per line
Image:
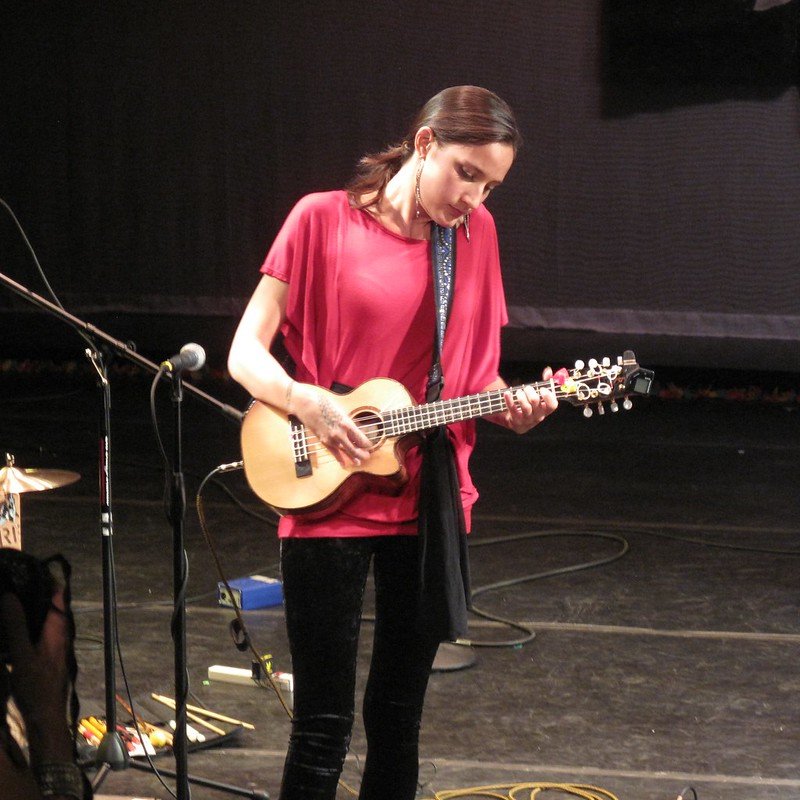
(371, 425)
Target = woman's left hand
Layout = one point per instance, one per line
(526, 407)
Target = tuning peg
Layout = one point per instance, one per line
(606, 362)
(613, 406)
(627, 404)
(587, 412)
(600, 409)
(579, 365)
(593, 363)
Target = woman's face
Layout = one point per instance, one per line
(457, 178)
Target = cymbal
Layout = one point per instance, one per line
(14, 480)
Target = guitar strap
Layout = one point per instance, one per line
(444, 590)
(443, 258)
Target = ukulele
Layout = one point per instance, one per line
(290, 469)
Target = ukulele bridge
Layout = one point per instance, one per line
(302, 462)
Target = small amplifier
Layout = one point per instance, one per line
(255, 591)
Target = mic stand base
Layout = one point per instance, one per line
(112, 753)
(451, 657)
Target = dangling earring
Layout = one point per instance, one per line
(417, 197)
(466, 226)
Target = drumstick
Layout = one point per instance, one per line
(206, 713)
(193, 717)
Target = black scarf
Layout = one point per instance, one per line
(444, 592)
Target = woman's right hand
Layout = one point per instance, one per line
(319, 411)
(251, 363)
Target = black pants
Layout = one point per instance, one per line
(323, 582)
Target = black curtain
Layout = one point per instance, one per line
(151, 151)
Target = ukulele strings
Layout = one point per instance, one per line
(314, 446)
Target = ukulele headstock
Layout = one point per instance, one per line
(599, 382)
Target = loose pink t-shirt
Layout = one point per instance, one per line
(361, 306)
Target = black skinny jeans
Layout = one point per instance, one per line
(323, 583)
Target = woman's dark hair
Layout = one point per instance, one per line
(458, 115)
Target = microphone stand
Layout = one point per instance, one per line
(177, 513)
(111, 753)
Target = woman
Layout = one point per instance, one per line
(348, 282)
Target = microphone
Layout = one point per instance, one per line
(191, 357)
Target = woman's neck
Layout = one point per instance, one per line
(397, 208)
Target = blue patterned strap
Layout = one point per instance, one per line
(443, 256)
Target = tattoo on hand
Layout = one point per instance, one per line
(330, 415)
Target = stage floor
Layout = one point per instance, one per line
(674, 663)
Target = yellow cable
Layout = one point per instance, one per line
(511, 791)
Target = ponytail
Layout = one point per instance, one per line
(374, 171)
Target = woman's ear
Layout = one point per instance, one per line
(423, 140)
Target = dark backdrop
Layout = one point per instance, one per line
(152, 149)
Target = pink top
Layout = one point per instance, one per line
(361, 306)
